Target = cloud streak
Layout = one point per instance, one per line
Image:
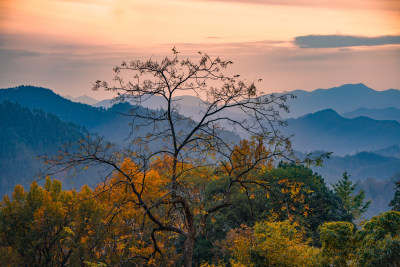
(336, 41)
(72, 69)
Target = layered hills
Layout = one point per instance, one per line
(342, 99)
(110, 123)
(327, 130)
(389, 113)
(364, 141)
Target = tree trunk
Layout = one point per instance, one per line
(188, 248)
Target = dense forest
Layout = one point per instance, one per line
(298, 221)
(26, 134)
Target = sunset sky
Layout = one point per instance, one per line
(66, 45)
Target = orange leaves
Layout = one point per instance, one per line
(249, 155)
(293, 189)
(237, 243)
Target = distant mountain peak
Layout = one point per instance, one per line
(348, 88)
(323, 114)
(26, 88)
(85, 99)
(354, 86)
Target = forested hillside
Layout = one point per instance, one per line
(113, 123)
(45, 99)
(97, 120)
(25, 135)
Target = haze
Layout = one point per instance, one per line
(66, 45)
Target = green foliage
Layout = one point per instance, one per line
(337, 243)
(270, 244)
(319, 203)
(47, 226)
(310, 203)
(379, 240)
(355, 205)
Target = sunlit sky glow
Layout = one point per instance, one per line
(67, 44)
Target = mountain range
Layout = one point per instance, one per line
(360, 166)
(327, 130)
(389, 113)
(365, 146)
(342, 99)
(110, 123)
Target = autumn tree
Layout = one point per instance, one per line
(188, 152)
(270, 244)
(47, 226)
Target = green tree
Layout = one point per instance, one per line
(337, 243)
(355, 205)
(379, 241)
(270, 244)
(315, 204)
(311, 203)
(395, 202)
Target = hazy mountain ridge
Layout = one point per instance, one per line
(389, 113)
(98, 120)
(188, 106)
(360, 166)
(342, 99)
(327, 130)
(391, 151)
(323, 130)
(26, 135)
(346, 98)
(84, 99)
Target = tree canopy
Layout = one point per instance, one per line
(191, 152)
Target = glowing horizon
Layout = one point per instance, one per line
(69, 43)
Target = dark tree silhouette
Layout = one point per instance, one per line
(185, 144)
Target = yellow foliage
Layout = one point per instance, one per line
(271, 244)
(249, 154)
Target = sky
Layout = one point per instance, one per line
(66, 45)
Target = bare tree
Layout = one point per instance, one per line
(197, 144)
